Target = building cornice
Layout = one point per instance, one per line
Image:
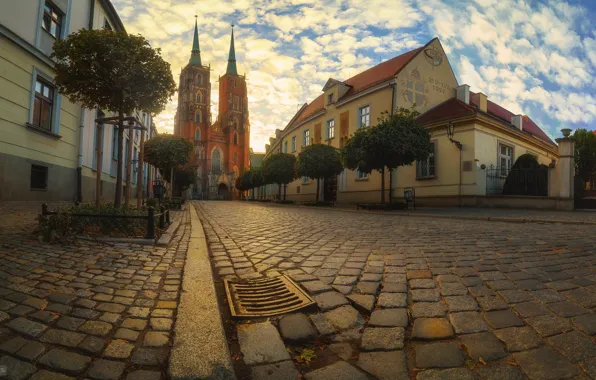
(387, 83)
(9, 34)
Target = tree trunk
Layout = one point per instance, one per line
(99, 160)
(318, 182)
(140, 171)
(279, 191)
(172, 182)
(131, 144)
(390, 185)
(285, 190)
(118, 194)
(383, 185)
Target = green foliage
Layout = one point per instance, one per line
(527, 177)
(585, 152)
(318, 161)
(65, 227)
(243, 181)
(526, 161)
(185, 175)
(397, 140)
(113, 71)
(257, 178)
(279, 168)
(168, 151)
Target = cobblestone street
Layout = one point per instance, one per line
(98, 311)
(413, 297)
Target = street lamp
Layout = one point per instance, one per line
(450, 131)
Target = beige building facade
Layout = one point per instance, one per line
(489, 135)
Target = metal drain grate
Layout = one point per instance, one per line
(265, 297)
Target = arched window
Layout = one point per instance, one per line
(197, 134)
(235, 157)
(199, 79)
(216, 160)
(198, 97)
(235, 138)
(198, 116)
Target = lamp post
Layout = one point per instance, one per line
(450, 132)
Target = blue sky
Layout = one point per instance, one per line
(536, 57)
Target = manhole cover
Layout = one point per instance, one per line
(265, 297)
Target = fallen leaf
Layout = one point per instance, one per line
(481, 360)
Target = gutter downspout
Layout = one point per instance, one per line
(91, 13)
(393, 88)
(80, 158)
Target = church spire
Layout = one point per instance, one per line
(195, 57)
(232, 57)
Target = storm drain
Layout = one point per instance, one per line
(265, 297)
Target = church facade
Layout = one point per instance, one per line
(221, 147)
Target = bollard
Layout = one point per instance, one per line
(162, 218)
(151, 223)
(168, 217)
(44, 209)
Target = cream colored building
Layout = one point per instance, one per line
(423, 78)
(47, 143)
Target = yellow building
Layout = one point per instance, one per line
(490, 136)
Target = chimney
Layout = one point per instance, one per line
(517, 121)
(463, 93)
(277, 133)
(482, 102)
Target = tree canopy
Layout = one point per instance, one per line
(167, 151)
(112, 70)
(243, 181)
(279, 168)
(397, 140)
(318, 161)
(585, 152)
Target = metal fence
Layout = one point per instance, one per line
(506, 181)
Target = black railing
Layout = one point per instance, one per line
(163, 215)
(505, 181)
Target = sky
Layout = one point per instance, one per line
(535, 57)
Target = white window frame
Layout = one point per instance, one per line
(365, 116)
(306, 137)
(413, 92)
(504, 171)
(293, 144)
(330, 129)
(423, 167)
(56, 104)
(360, 176)
(330, 98)
(305, 180)
(285, 147)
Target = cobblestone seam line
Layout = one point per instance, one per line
(200, 346)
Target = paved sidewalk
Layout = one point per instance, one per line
(401, 297)
(86, 311)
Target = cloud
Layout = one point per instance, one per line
(536, 57)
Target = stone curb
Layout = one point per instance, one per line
(166, 237)
(200, 349)
(443, 216)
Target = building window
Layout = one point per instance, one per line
(197, 134)
(235, 157)
(106, 24)
(234, 83)
(505, 159)
(199, 79)
(198, 97)
(39, 177)
(198, 116)
(43, 104)
(293, 144)
(416, 93)
(304, 180)
(216, 161)
(426, 169)
(235, 138)
(52, 20)
(330, 129)
(115, 143)
(330, 98)
(361, 175)
(306, 138)
(364, 117)
(285, 147)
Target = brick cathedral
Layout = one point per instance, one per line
(221, 147)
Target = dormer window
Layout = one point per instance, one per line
(106, 24)
(330, 98)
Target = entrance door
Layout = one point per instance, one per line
(330, 189)
(223, 191)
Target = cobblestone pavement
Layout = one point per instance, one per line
(401, 297)
(90, 311)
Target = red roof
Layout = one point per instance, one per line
(455, 108)
(366, 79)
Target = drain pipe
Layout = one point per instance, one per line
(80, 158)
(393, 89)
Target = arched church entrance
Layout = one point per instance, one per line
(223, 191)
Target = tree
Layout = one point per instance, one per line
(115, 72)
(243, 181)
(397, 140)
(169, 152)
(256, 177)
(318, 161)
(585, 153)
(527, 177)
(279, 168)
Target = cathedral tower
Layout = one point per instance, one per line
(221, 148)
